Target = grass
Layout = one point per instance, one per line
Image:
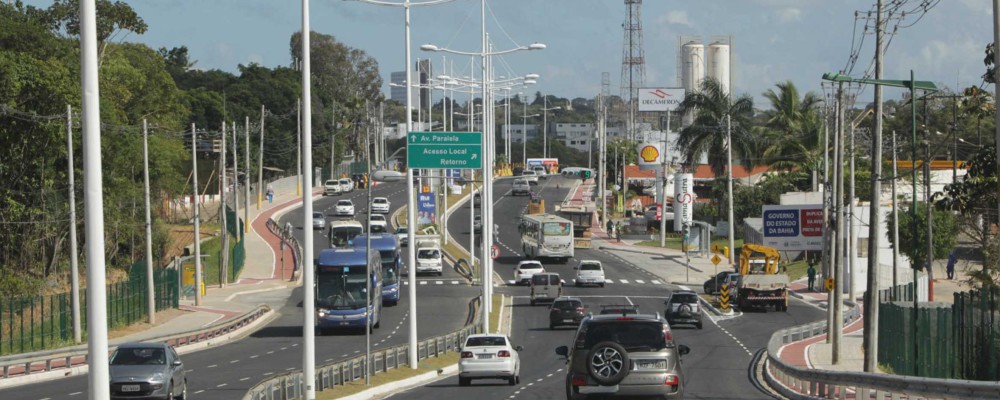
(398, 374)
(211, 250)
(796, 270)
(675, 243)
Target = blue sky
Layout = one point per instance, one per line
(774, 40)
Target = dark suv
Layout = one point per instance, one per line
(683, 308)
(615, 355)
(714, 284)
(565, 311)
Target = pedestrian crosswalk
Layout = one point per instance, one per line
(433, 282)
(610, 281)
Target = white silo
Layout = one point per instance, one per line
(718, 63)
(692, 65)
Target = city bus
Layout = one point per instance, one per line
(388, 249)
(341, 289)
(546, 235)
(343, 232)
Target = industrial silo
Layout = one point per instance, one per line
(692, 60)
(718, 63)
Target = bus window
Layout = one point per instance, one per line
(556, 229)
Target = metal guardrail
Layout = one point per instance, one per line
(49, 360)
(290, 386)
(288, 239)
(796, 382)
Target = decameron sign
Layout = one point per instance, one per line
(660, 99)
(793, 227)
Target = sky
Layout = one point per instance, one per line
(773, 40)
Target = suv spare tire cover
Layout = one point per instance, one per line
(685, 309)
(608, 363)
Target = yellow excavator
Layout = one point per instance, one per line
(760, 284)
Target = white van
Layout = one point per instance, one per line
(429, 257)
(331, 187)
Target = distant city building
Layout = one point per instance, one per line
(518, 131)
(574, 135)
(397, 90)
(425, 71)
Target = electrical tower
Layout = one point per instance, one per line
(633, 60)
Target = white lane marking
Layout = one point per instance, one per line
(75, 393)
(234, 361)
(423, 282)
(640, 281)
(212, 366)
(629, 301)
(454, 282)
(656, 282)
(199, 391)
(270, 352)
(438, 282)
(253, 356)
(245, 379)
(268, 373)
(221, 385)
(624, 280)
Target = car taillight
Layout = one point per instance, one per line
(579, 380)
(668, 335)
(624, 319)
(503, 353)
(579, 309)
(672, 380)
(466, 354)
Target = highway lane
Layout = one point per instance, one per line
(228, 371)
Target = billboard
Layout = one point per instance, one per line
(793, 227)
(683, 200)
(660, 99)
(425, 209)
(650, 156)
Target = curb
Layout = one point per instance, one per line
(390, 389)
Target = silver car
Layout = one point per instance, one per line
(147, 371)
(319, 220)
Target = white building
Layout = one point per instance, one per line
(574, 135)
(518, 131)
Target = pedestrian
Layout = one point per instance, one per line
(611, 228)
(952, 260)
(811, 272)
(270, 193)
(618, 231)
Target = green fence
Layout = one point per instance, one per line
(237, 255)
(959, 341)
(32, 323)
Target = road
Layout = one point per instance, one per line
(228, 371)
(716, 368)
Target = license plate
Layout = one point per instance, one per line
(484, 356)
(567, 320)
(345, 323)
(130, 388)
(651, 364)
(598, 389)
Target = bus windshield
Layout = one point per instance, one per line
(389, 272)
(556, 229)
(341, 289)
(339, 236)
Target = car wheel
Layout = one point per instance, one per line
(184, 392)
(552, 327)
(698, 325)
(608, 363)
(512, 381)
(464, 381)
(602, 284)
(517, 379)
(378, 323)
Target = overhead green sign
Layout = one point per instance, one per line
(454, 150)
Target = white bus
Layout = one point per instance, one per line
(343, 232)
(546, 235)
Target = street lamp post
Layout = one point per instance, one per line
(545, 125)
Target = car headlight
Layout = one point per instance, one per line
(322, 312)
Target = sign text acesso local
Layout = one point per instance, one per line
(444, 150)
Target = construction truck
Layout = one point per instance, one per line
(582, 217)
(761, 284)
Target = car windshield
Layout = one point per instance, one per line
(632, 335)
(345, 203)
(401, 230)
(341, 289)
(331, 183)
(345, 182)
(590, 267)
(428, 253)
(317, 215)
(376, 217)
(684, 298)
(543, 279)
(380, 201)
(567, 304)
(531, 266)
(480, 341)
(556, 228)
(339, 236)
(139, 356)
(619, 310)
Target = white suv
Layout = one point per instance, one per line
(530, 176)
(589, 272)
(520, 186)
(380, 205)
(331, 187)
(525, 270)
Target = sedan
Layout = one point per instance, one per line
(319, 220)
(566, 311)
(380, 205)
(525, 270)
(147, 371)
(345, 208)
(489, 356)
(378, 223)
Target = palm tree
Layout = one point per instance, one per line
(711, 105)
(792, 130)
(977, 103)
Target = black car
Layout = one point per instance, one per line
(713, 284)
(566, 311)
(683, 308)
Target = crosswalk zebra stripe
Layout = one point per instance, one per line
(639, 281)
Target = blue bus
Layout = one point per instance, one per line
(388, 248)
(341, 288)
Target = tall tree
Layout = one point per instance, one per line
(711, 106)
(792, 130)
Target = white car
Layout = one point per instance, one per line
(319, 220)
(402, 236)
(345, 208)
(429, 259)
(489, 356)
(530, 176)
(346, 185)
(525, 269)
(331, 187)
(378, 224)
(589, 272)
(520, 186)
(380, 205)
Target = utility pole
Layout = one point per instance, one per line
(603, 155)
(663, 190)
(73, 252)
(305, 149)
(150, 288)
(298, 144)
(870, 341)
(996, 84)
(838, 207)
(913, 215)
(333, 140)
(895, 220)
(224, 262)
(827, 199)
(729, 188)
(852, 236)
(260, 161)
(236, 180)
(930, 213)
(197, 217)
(246, 176)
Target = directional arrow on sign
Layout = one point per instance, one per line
(474, 155)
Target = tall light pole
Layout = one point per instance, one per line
(545, 125)
(93, 206)
(150, 296)
(73, 253)
(305, 149)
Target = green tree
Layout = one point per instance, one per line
(914, 244)
(975, 198)
(711, 106)
(793, 131)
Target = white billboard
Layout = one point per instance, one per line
(660, 99)
(683, 200)
(650, 156)
(793, 227)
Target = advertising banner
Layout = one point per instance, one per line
(649, 156)
(793, 227)
(425, 209)
(683, 200)
(660, 99)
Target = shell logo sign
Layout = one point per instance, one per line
(649, 154)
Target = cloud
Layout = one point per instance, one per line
(676, 17)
